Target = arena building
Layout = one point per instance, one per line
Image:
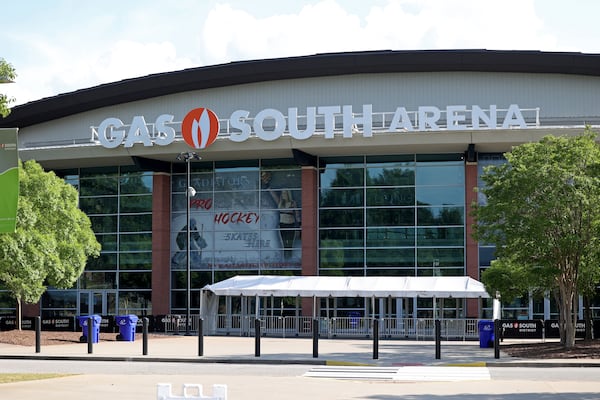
(348, 164)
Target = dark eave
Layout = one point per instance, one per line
(318, 65)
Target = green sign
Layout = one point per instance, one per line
(9, 180)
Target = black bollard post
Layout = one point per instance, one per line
(90, 334)
(145, 336)
(315, 327)
(200, 337)
(497, 330)
(257, 337)
(438, 339)
(375, 339)
(38, 334)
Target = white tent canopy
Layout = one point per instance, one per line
(346, 286)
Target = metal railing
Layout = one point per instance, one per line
(335, 327)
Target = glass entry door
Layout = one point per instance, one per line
(100, 302)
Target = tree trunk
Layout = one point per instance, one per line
(568, 318)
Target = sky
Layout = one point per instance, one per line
(59, 46)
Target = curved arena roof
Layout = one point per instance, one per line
(319, 65)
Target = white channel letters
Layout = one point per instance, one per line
(270, 124)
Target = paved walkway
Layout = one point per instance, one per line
(234, 354)
(231, 349)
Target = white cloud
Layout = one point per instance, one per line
(326, 26)
(125, 45)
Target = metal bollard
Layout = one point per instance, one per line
(200, 337)
(375, 339)
(438, 339)
(257, 337)
(497, 339)
(315, 327)
(38, 334)
(145, 336)
(90, 335)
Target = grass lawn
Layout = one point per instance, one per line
(8, 378)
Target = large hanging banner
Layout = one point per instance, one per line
(9, 180)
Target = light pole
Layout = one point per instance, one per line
(188, 156)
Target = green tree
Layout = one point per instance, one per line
(52, 241)
(7, 74)
(542, 214)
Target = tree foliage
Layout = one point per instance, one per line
(7, 74)
(53, 237)
(542, 214)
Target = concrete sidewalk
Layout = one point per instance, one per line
(230, 349)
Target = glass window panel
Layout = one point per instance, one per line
(423, 271)
(338, 258)
(341, 198)
(391, 272)
(131, 204)
(135, 280)
(99, 205)
(99, 171)
(239, 200)
(104, 224)
(98, 280)
(135, 302)
(440, 236)
(392, 258)
(108, 242)
(136, 242)
(335, 238)
(391, 196)
(136, 223)
(441, 195)
(444, 174)
(390, 216)
(99, 186)
(442, 258)
(59, 299)
(105, 261)
(351, 176)
(390, 237)
(428, 216)
(390, 176)
(339, 218)
(136, 183)
(486, 255)
(7, 300)
(141, 261)
(279, 179)
(236, 180)
(342, 272)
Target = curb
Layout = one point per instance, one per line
(220, 360)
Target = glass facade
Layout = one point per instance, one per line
(402, 215)
(118, 201)
(244, 219)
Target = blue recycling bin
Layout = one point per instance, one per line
(486, 333)
(83, 323)
(126, 324)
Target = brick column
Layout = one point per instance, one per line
(310, 208)
(161, 240)
(472, 251)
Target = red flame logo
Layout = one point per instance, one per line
(200, 128)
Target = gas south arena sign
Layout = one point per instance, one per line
(201, 126)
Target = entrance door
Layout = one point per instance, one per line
(100, 302)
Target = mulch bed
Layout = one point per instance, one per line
(584, 349)
(27, 337)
